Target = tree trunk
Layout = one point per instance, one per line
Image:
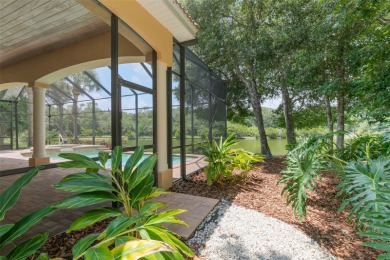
(255, 97)
(329, 119)
(287, 109)
(30, 116)
(75, 114)
(340, 118)
(340, 101)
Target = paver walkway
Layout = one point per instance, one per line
(39, 193)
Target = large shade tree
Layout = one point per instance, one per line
(235, 43)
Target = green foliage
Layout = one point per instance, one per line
(304, 163)
(366, 188)
(366, 185)
(223, 160)
(307, 117)
(241, 131)
(364, 147)
(378, 230)
(10, 232)
(138, 231)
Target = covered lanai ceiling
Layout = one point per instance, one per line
(32, 27)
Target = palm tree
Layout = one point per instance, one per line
(76, 84)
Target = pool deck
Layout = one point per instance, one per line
(11, 160)
(39, 193)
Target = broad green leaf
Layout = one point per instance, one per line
(377, 245)
(161, 234)
(103, 157)
(132, 162)
(4, 228)
(171, 255)
(79, 164)
(144, 188)
(166, 217)
(116, 158)
(100, 253)
(85, 199)
(156, 192)
(142, 171)
(123, 239)
(93, 216)
(119, 225)
(150, 207)
(84, 186)
(83, 244)
(86, 176)
(78, 161)
(180, 245)
(28, 247)
(12, 193)
(136, 249)
(24, 224)
(164, 256)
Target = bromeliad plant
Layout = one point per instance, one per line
(223, 159)
(138, 230)
(10, 232)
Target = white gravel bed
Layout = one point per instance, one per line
(234, 232)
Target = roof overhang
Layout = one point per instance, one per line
(172, 15)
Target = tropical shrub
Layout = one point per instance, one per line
(366, 187)
(223, 159)
(364, 167)
(377, 228)
(304, 162)
(363, 147)
(138, 230)
(10, 232)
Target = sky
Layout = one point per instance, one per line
(134, 72)
(272, 103)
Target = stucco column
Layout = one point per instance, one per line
(39, 128)
(164, 174)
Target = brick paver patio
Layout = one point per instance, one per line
(40, 193)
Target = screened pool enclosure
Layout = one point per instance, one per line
(78, 74)
(78, 108)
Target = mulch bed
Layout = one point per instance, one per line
(259, 192)
(61, 245)
(323, 223)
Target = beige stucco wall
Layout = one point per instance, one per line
(142, 22)
(87, 54)
(95, 52)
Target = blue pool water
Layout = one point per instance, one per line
(125, 157)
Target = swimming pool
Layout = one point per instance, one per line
(125, 157)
